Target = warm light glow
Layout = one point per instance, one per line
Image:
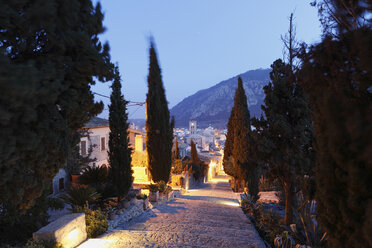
(73, 235)
(230, 203)
(211, 170)
(94, 243)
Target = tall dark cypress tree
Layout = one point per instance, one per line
(50, 54)
(119, 150)
(193, 153)
(228, 165)
(176, 153)
(243, 165)
(159, 129)
(337, 76)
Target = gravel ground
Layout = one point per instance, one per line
(206, 217)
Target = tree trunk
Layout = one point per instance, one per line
(288, 203)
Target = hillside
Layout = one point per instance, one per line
(212, 106)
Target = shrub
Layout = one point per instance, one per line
(42, 244)
(95, 220)
(141, 196)
(307, 229)
(161, 186)
(78, 196)
(268, 223)
(284, 241)
(94, 175)
(153, 187)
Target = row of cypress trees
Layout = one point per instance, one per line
(318, 121)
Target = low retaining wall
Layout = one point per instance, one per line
(69, 230)
(134, 210)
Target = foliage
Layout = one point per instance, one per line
(193, 153)
(244, 165)
(119, 150)
(168, 189)
(336, 74)
(284, 241)
(161, 186)
(18, 226)
(339, 17)
(76, 162)
(46, 71)
(153, 188)
(178, 166)
(95, 220)
(42, 244)
(194, 170)
(228, 160)
(79, 196)
(268, 223)
(307, 230)
(94, 175)
(141, 196)
(176, 153)
(159, 129)
(286, 134)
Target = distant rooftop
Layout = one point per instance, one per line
(97, 122)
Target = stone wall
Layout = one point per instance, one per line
(69, 230)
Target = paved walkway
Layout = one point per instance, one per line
(206, 217)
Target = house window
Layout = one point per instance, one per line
(61, 183)
(103, 144)
(83, 147)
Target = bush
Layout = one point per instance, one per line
(95, 220)
(141, 196)
(268, 223)
(161, 186)
(17, 227)
(42, 244)
(94, 175)
(195, 170)
(153, 188)
(307, 229)
(78, 196)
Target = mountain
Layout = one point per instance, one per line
(212, 106)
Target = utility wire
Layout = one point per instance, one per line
(132, 103)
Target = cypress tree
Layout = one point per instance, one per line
(176, 153)
(158, 126)
(336, 74)
(243, 165)
(228, 165)
(49, 54)
(119, 150)
(287, 131)
(193, 153)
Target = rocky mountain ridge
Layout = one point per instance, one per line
(212, 106)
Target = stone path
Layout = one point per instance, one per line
(206, 217)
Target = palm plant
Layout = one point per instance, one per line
(79, 196)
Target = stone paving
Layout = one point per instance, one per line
(206, 217)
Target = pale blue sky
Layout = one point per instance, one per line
(199, 42)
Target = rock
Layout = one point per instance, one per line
(69, 230)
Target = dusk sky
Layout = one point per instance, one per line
(199, 42)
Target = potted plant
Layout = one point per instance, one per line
(162, 187)
(153, 192)
(169, 192)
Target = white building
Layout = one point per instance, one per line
(99, 131)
